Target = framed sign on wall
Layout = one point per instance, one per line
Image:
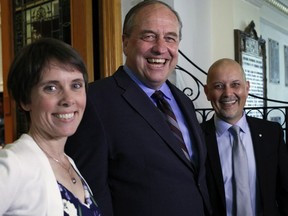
(250, 52)
(274, 67)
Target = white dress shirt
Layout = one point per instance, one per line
(225, 143)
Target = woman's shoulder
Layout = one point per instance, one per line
(23, 155)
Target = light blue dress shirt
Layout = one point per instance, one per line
(225, 143)
(171, 100)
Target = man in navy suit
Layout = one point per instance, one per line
(227, 90)
(124, 146)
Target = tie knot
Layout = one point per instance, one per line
(158, 95)
(235, 130)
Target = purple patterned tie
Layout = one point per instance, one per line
(165, 107)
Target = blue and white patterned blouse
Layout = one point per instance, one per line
(72, 205)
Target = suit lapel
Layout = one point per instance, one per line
(257, 136)
(134, 96)
(259, 145)
(213, 158)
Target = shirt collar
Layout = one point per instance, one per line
(164, 88)
(222, 126)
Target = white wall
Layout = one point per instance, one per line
(196, 44)
(274, 25)
(222, 39)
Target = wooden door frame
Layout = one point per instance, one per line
(82, 40)
(110, 34)
(7, 57)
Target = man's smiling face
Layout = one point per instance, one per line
(152, 47)
(227, 90)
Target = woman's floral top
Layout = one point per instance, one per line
(73, 207)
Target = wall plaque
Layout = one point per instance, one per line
(250, 52)
(286, 64)
(273, 51)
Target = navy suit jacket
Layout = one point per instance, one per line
(271, 157)
(128, 155)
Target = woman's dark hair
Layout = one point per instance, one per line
(28, 65)
(130, 16)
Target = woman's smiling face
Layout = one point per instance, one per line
(57, 102)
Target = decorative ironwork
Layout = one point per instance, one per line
(192, 94)
(273, 113)
(278, 114)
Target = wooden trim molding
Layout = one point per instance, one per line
(82, 32)
(110, 36)
(7, 48)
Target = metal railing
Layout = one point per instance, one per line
(267, 113)
(270, 113)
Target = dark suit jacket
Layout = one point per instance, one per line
(271, 164)
(128, 155)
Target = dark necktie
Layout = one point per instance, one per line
(165, 107)
(242, 199)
